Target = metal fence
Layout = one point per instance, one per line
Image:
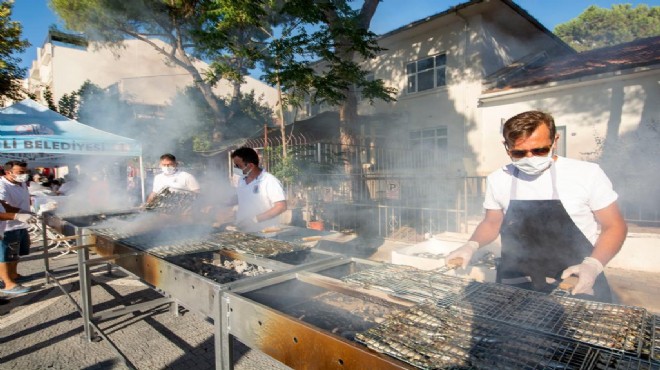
(398, 193)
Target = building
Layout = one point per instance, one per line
(136, 71)
(462, 72)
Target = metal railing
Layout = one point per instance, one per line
(386, 196)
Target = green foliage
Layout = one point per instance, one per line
(599, 27)
(286, 169)
(10, 44)
(68, 105)
(48, 96)
(330, 32)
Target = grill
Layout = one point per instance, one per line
(177, 202)
(607, 325)
(303, 306)
(431, 337)
(608, 360)
(411, 283)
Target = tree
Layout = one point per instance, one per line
(10, 72)
(599, 27)
(48, 96)
(320, 53)
(171, 21)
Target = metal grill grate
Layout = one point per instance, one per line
(609, 360)
(256, 245)
(172, 202)
(411, 283)
(431, 337)
(179, 240)
(655, 341)
(162, 243)
(607, 325)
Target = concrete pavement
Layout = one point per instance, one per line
(43, 329)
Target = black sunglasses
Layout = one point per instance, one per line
(519, 153)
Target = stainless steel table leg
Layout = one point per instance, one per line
(86, 292)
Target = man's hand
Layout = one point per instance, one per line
(587, 272)
(247, 223)
(465, 252)
(25, 217)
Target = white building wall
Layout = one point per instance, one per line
(584, 106)
(143, 75)
(478, 40)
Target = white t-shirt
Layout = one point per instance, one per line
(582, 186)
(179, 180)
(257, 197)
(3, 223)
(16, 195)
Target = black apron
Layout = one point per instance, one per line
(539, 240)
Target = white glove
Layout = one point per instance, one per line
(587, 272)
(465, 252)
(25, 217)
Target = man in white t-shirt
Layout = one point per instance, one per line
(14, 198)
(547, 210)
(172, 177)
(259, 194)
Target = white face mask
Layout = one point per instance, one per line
(534, 165)
(168, 170)
(239, 172)
(22, 178)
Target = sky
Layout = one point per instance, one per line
(36, 16)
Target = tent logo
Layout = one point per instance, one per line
(33, 129)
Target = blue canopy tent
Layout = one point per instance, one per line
(35, 134)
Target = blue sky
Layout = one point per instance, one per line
(36, 16)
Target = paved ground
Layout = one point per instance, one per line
(43, 329)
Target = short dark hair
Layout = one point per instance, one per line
(248, 155)
(9, 165)
(169, 156)
(524, 124)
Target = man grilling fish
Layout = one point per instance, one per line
(547, 210)
(259, 194)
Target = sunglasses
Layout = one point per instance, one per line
(519, 153)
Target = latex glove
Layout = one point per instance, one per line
(587, 272)
(25, 217)
(465, 252)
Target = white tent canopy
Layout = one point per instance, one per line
(35, 134)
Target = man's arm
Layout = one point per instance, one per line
(276, 210)
(8, 207)
(613, 230)
(489, 228)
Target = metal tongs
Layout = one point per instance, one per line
(565, 286)
(488, 260)
(452, 264)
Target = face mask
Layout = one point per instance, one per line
(168, 170)
(533, 165)
(246, 174)
(22, 178)
(239, 172)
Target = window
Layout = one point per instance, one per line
(560, 148)
(426, 74)
(429, 138)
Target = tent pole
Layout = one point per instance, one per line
(142, 174)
